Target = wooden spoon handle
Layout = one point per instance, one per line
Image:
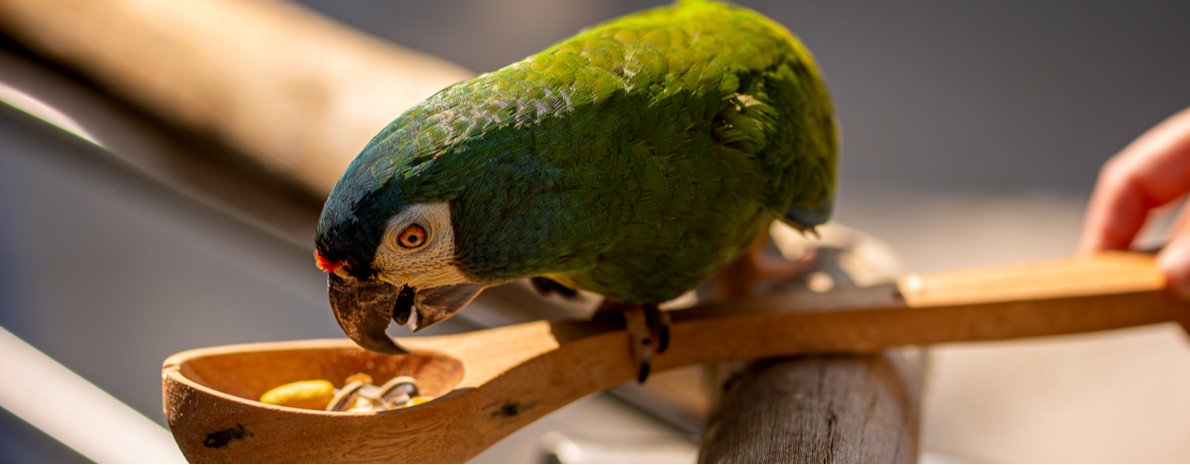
(1103, 291)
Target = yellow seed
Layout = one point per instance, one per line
(417, 400)
(310, 394)
(361, 377)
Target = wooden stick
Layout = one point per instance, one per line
(298, 93)
(1106, 291)
(495, 381)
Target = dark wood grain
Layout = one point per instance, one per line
(818, 409)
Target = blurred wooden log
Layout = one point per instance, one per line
(818, 409)
(296, 92)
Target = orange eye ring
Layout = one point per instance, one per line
(412, 237)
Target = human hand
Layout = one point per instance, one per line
(1150, 172)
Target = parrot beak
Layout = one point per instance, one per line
(364, 310)
(439, 303)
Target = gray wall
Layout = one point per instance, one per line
(942, 95)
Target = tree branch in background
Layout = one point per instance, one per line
(298, 93)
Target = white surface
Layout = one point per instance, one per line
(46, 113)
(75, 412)
(596, 429)
(1116, 397)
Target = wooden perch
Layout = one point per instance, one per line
(834, 408)
(819, 409)
(298, 93)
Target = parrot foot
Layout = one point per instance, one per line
(547, 286)
(648, 332)
(741, 276)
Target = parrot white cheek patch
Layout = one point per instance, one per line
(429, 263)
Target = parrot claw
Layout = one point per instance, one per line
(644, 372)
(658, 322)
(648, 332)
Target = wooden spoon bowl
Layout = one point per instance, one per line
(215, 416)
(266, 368)
(212, 409)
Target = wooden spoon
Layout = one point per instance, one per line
(490, 383)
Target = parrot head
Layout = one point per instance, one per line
(387, 242)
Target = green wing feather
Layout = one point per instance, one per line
(631, 160)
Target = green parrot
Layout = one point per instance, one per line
(631, 160)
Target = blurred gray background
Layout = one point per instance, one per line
(972, 134)
(992, 96)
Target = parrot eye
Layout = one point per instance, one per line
(412, 237)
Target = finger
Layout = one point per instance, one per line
(1174, 258)
(1115, 213)
(1151, 171)
(1174, 263)
(1181, 224)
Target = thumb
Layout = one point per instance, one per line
(1174, 263)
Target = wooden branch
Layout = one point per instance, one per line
(298, 93)
(836, 408)
(819, 409)
(495, 381)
